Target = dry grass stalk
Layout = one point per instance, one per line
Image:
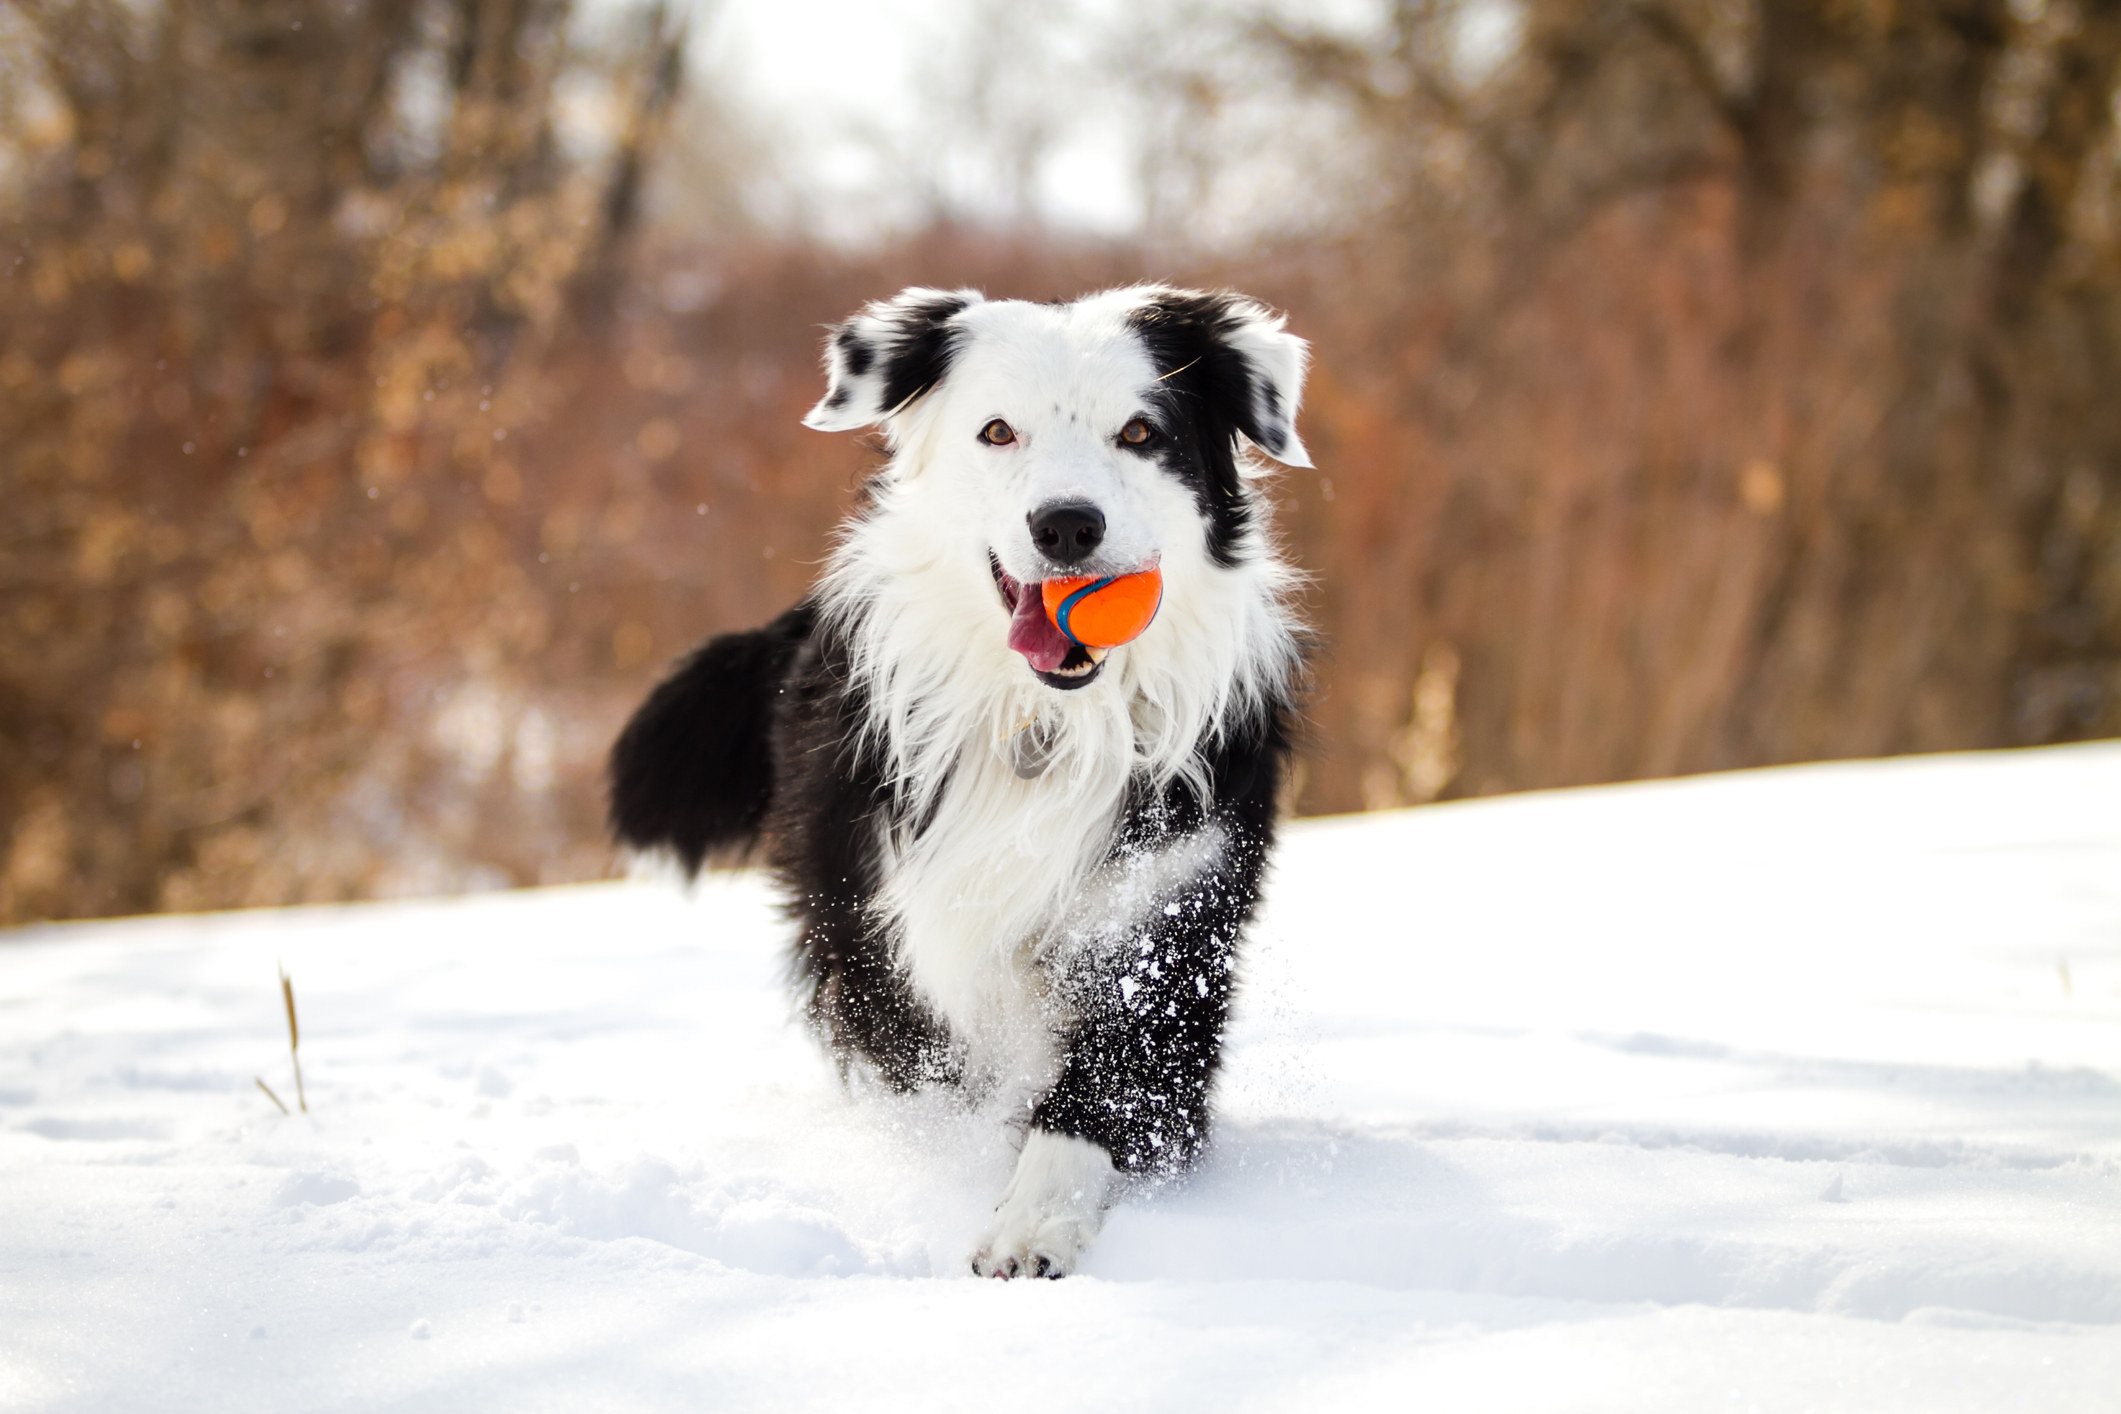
(294, 1040)
(271, 1096)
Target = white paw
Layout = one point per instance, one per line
(1054, 1206)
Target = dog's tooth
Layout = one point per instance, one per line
(1096, 655)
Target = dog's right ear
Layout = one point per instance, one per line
(887, 356)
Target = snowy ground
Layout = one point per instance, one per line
(1789, 1090)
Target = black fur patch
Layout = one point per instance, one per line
(1148, 1042)
(857, 354)
(690, 772)
(1206, 396)
(921, 348)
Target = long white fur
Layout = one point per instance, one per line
(1004, 866)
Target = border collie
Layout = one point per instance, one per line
(1019, 866)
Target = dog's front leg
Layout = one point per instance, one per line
(1054, 1206)
(1132, 1096)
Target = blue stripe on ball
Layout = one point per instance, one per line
(1067, 605)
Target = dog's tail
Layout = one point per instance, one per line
(693, 770)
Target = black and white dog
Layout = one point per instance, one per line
(1017, 862)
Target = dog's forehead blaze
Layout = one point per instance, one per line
(1080, 360)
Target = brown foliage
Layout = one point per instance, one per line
(266, 336)
(1714, 385)
(1738, 403)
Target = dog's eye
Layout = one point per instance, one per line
(997, 433)
(1137, 433)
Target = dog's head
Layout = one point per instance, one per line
(1095, 438)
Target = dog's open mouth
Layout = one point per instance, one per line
(1056, 659)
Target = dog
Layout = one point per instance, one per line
(1017, 863)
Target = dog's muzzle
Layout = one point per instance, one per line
(1057, 662)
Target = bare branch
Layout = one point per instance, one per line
(1686, 46)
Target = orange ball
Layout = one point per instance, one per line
(1104, 613)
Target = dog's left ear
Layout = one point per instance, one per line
(887, 356)
(1275, 361)
(1230, 355)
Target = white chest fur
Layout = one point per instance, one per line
(1009, 885)
(977, 896)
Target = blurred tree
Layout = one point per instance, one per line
(285, 280)
(1700, 383)
(1752, 363)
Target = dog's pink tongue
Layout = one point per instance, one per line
(1032, 634)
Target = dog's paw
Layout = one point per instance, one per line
(1054, 1206)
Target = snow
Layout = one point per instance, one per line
(1785, 1090)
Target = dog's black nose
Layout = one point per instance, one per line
(1068, 531)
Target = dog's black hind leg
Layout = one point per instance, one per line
(693, 770)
